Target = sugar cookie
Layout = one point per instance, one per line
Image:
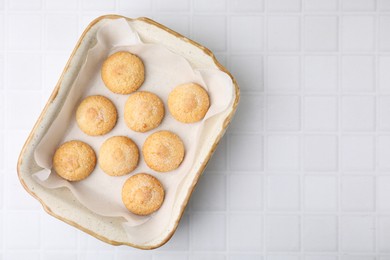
(142, 194)
(143, 111)
(96, 115)
(188, 103)
(118, 156)
(163, 151)
(74, 160)
(123, 72)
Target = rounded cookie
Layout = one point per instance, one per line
(96, 115)
(143, 111)
(142, 194)
(188, 103)
(123, 72)
(74, 160)
(118, 156)
(163, 151)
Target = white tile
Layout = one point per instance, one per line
(247, 5)
(383, 5)
(248, 71)
(53, 65)
(17, 102)
(282, 233)
(383, 152)
(320, 257)
(283, 33)
(357, 33)
(208, 231)
(64, 236)
(180, 240)
(320, 153)
(246, 256)
(320, 73)
(289, 67)
(245, 232)
(14, 141)
(29, 5)
(357, 73)
(321, 33)
(210, 6)
(358, 113)
(383, 112)
(31, 66)
(58, 255)
(283, 113)
(17, 197)
(210, 31)
(2, 69)
(22, 255)
(178, 23)
(144, 5)
(283, 152)
(358, 5)
(357, 153)
(320, 193)
(132, 255)
(320, 5)
(245, 192)
(243, 38)
(279, 256)
(3, 36)
(56, 25)
(98, 5)
(210, 193)
(61, 5)
(384, 233)
(207, 256)
(172, 5)
(91, 255)
(218, 161)
(383, 76)
(92, 244)
(383, 193)
(283, 192)
(19, 31)
(320, 113)
(357, 193)
(319, 233)
(357, 233)
(284, 5)
(250, 114)
(384, 37)
(17, 225)
(246, 152)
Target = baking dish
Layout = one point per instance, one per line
(60, 202)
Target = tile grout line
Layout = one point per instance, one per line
(4, 113)
(301, 124)
(227, 154)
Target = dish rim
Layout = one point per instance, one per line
(226, 122)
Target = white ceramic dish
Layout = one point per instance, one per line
(60, 202)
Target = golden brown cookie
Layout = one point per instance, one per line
(123, 72)
(163, 151)
(74, 160)
(96, 115)
(143, 111)
(142, 194)
(188, 103)
(118, 156)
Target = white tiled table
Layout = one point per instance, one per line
(303, 172)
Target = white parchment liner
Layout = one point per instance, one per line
(164, 70)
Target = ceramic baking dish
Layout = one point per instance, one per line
(61, 203)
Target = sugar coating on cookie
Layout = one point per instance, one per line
(96, 115)
(142, 194)
(74, 160)
(118, 156)
(123, 72)
(163, 151)
(143, 111)
(188, 103)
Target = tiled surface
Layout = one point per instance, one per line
(303, 171)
